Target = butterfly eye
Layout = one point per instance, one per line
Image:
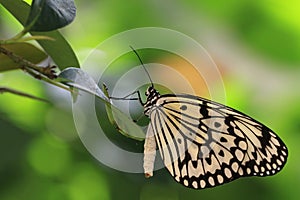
(147, 93)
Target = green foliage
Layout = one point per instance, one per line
(57, 43)
(41, 16)
(41, 156)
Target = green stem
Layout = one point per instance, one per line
(25, 30)
(25, 39)
(18, 36)
(43, 78)
(16, 92)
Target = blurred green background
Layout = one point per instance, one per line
(256, 45)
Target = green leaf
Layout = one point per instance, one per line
(48, 15)
(59, 50)
(80, 80)
(24, 50)
(35, 13)
(20, 10)
(122, 122)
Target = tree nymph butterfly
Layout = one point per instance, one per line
(204, 144)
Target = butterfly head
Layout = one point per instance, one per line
(152, 95)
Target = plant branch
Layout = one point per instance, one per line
(38, 76)
(47, 71)
(16, 92)
(46, 74)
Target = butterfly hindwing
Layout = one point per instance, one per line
(204, 144)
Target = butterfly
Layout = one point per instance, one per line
(204, 144)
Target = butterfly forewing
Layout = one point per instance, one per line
(204, 144)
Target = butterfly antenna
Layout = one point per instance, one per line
(142, 65)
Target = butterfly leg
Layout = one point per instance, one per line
(127, 97)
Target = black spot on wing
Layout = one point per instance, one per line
(183, 107)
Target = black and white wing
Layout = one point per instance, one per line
(204, 144)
